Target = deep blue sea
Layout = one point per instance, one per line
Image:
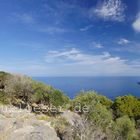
(108, 86)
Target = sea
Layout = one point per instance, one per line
(107, 86)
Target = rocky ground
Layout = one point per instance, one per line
(18, 124)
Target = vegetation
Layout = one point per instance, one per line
(91, 99)
(101, 118)
(22, 90)
(126, 128)
(3, 77)
(111, 120)
(57, 98)
(41, 93)
(18, 87)
(127, 105)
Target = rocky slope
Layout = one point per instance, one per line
(18, 124)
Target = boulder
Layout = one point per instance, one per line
(22, 125)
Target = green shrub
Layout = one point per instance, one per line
(99, 111)
(91, 97)
(100, 116)
(3, 76)
(105, 101)
(41, 92)
(127, 105)
(57, 98)
(19, 87)
(3, 98)
(126, 128)
(47, 95)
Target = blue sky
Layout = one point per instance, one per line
(70, 37)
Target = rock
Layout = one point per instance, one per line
(34, 131)
(23, 125)
(71, 117)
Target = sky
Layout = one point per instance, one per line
(70, 37)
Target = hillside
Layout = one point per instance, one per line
(33, 110)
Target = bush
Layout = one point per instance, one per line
(126, 128)
(91, 97)
(99, 115)
(3, 76)
(47, 95)
(99, 111)
(127, 105)
(105, 101)
(3, 98)
(19, 87)
(41, 93)
(57, 98)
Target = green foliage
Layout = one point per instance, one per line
(86, 98)
(47, 95)
(91, 97)
(127, 105)
(18, 87)
(105, 101)
(3, 75)
(57, 98)
(3, 98)
(24, 88)
(3, 78)
(126, 128)
(99, 112)
(41, 92)
(100, 116)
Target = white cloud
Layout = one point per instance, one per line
(99, 46)
(96, 45)
(136, 24)
(77, 57)
(76, 62)
(64, 56)
(123, 41)
(109, 10)
(86, 28)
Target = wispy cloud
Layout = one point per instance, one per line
(109, 10)
(136, 24)
(63, 56)
(86, 28)
(24, 18)
(96, 45)
(123, 41)
(132, 46)
(52, 29)
(76, 56)
(76, 62)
